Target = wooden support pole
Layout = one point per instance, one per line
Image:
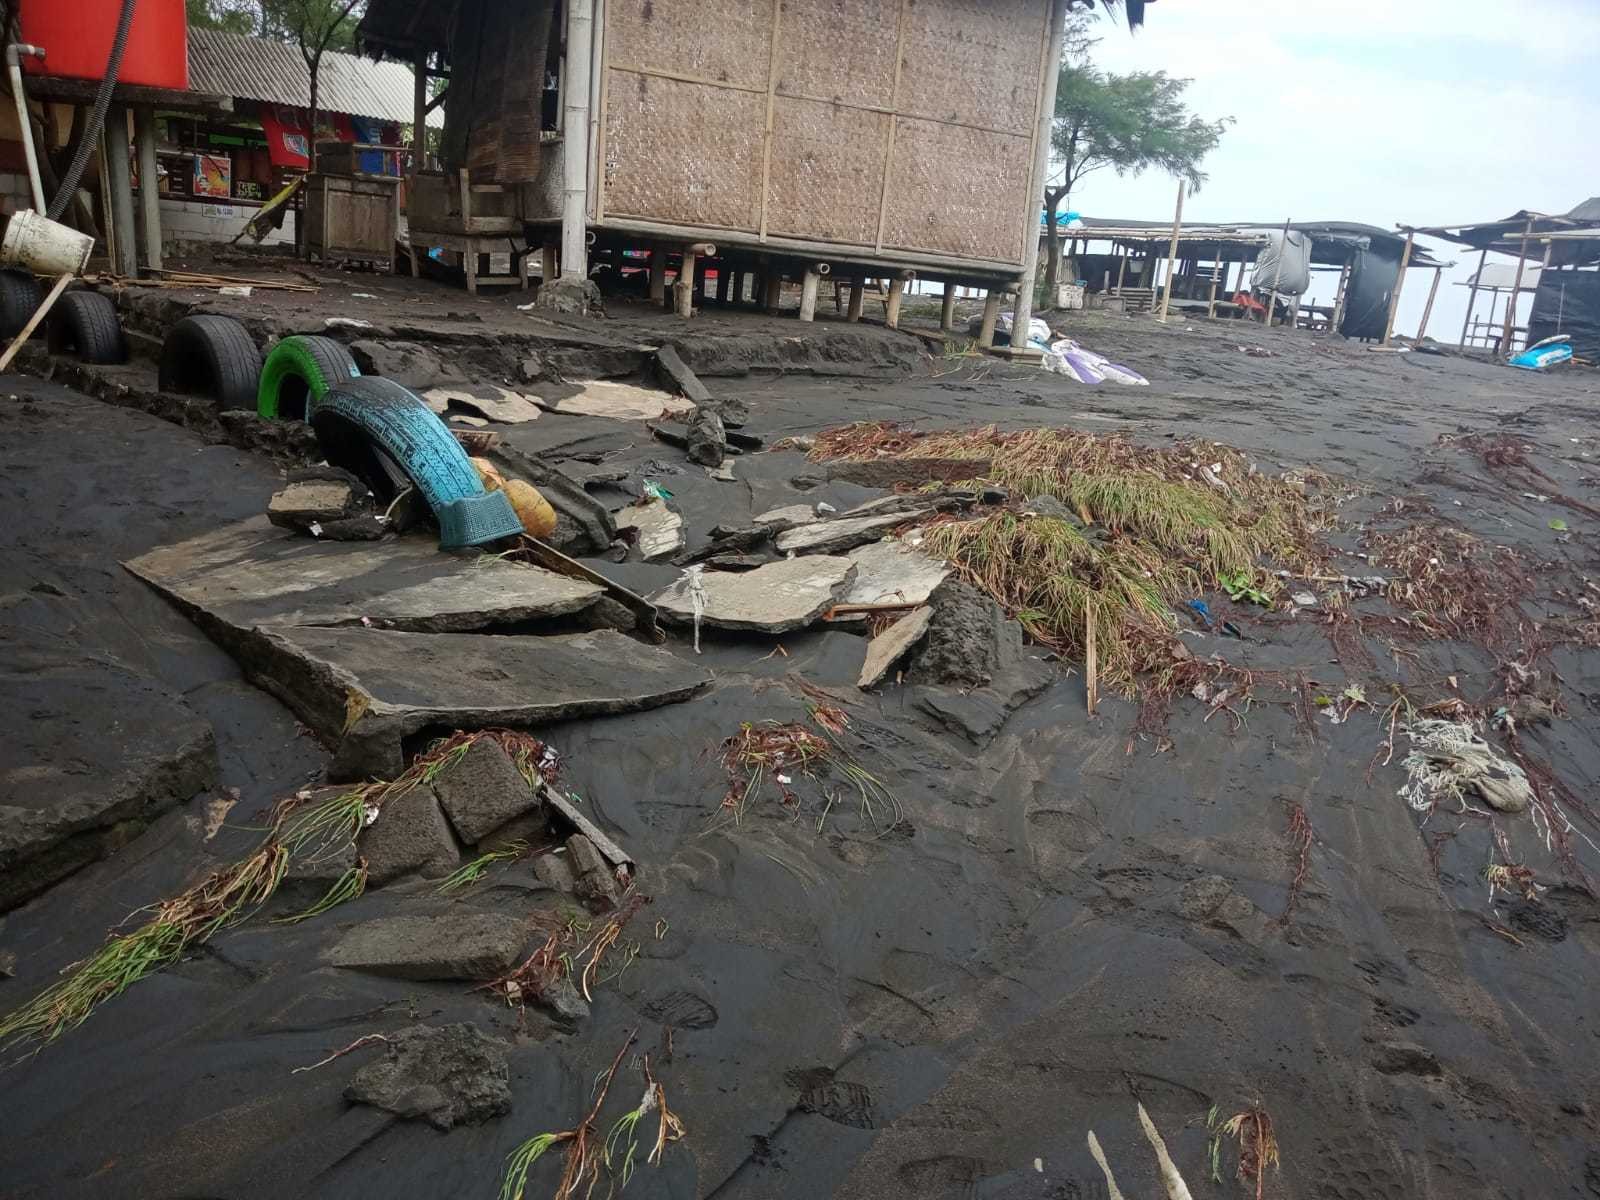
(1339, 296)
(897, 290)
(772, 300)
(858, 295)
(658, 273)
(1277, 277)
(1516, 291)
(1472, 297)
(126, 260)
(419, 112)
(1091, 662)
(809, 284)
(1427, 309)
(39, 314)
(947, 309)
(991, 315)
(1122, 270)
(149, 194)
(1399, 285)
(1172, 253)
(1211, 301)
(684, 288)
(722, 282)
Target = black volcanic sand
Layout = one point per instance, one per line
(1065, 918)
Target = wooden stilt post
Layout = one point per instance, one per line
(991, 314)
(1399, 285)
(149, 198)
(684, 288)
(722, 282)
(947, 309)
(1338, 297)
(773, 289)
(809, 284)
(1427, 309)
(547, 263)
(1472, 297)
(858, 295)
(1211, 301)
(897, 291)
(1507, 332)
(1172, 253)
(658, 274)
(126, 257)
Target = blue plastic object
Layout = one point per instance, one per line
(1201, 610)
(368, 423)
(1543, 354)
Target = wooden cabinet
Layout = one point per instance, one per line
(351, 216)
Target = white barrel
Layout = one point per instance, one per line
(38, 244)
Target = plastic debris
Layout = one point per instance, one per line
(697, 599)
(1558, 525)
(1067, 357)
(1304, 599)
(1203, 611)
(654, 491)
(1449, 758)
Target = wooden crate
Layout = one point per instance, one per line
(351, 216)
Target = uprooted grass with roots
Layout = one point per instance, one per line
(1153, 528)
(300, 829)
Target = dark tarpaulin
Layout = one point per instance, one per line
(1373, 276)
(492, 112)
(1568, 302)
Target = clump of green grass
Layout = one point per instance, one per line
(1154, 527)
(466, 876)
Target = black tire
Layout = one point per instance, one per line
(19, 297)
(211, 356)
(85, 324)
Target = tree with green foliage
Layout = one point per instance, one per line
(1130, 123)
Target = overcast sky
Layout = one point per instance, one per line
(1379, 111)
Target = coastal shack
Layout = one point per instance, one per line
(1557, 261)
(1211, 263)
(754, 141)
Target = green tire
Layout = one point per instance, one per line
(298, 372)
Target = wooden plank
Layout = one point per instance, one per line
(614, 854)
(39, 314)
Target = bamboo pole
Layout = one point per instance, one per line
(1277, 277)
(897, 291)
(1211, 301)
(1472, 297)
(947, 309)
(1172, 254)
(1091, 662)
(809, 284)
(1339, 295)
(991, 315)
(684, 288)
(1516, 290)
(858, 295)
(1022, 314)
(1427, 309)
(1122, 270)
(1399, 285)
(658, 274)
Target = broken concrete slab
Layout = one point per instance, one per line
(621, 402)
(889, 646)
(409, 836)
(660, 530)
(832, 537)
(302, 505)
(776, 598)
(554, 872)
(458, 944)
(891, 572)
(366, 690)
(487, 400)
(94, 751)
(448, 1075)
(250, 574)
(595, 881)
(677, 371)
(788, 516)
(482, 791)
(410, 364)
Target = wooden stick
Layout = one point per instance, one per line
(1427, 309)
(1122, 270)
(1472, 297)
(1277, 277)
(858, 295)
(1339, 296)
(39, 314)
(947, 308)
(1399, 284)
(991, 314)
(1172, 254)
(891, 306)
(1211, 303)
(1516, 290)
(1091, 662)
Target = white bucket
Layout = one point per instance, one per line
(45, 247)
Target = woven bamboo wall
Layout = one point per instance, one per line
(895, 124)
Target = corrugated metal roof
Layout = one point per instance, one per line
(229, 64)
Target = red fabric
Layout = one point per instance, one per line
(287, 142)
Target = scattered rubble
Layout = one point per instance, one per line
(483, 790)
(595, 880)
(308, 506)
(446, 1075)
(659, 529)
(455, 944)
(707, 442)
(888, 647)
(892, 571)
(772, 599)
(842, 533)
(409, 836)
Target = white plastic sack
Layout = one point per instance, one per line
(1293, 277)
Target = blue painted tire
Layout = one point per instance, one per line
(370, 425)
